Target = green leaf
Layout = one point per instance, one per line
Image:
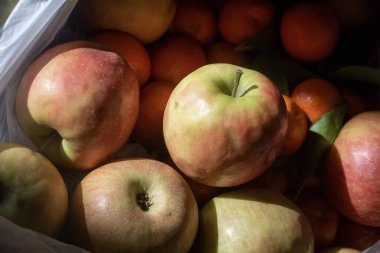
(267, 40)
(280, 69)
(267, 64)
(362, 74)
(320, 137)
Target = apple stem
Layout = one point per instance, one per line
(239, 73)
(143, 201)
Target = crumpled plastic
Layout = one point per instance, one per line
(29, 29)
(15, 239)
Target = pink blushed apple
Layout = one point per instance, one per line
(133, 205)
(222, 136)
(78, 103)
(351, 172)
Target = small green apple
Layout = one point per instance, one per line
(253, 220)
(32, 191)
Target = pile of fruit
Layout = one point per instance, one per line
(202, 126)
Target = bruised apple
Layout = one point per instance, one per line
(78, 103)
(224, 125)
(33, 194)
(350, 177)
(250, 220)
(145, 19)
(133, 205)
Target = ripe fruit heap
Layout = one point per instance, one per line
(200, 126)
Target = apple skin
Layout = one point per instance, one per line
(252, 220)
(32, 191)
(145, 19)
(221, 140)
(350, 177)
(105, 216)
(322, 216)
(78, 104)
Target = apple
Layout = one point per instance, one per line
(78, 104)
(253, 220)
(322, 216)
(223, 136)
(145, 19)
(133, 205)
(352, 168)
(338, 250)
(32, 191)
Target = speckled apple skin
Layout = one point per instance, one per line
(78, 104)
(220, 140)
(352, 169)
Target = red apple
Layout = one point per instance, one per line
(221, 136)
(133, 205)
(33, 194)
(323, 217)
(145, 19)
(351, 172)
(253, 220)
(78, 104)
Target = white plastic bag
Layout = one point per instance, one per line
(15, 239)
(29, 29)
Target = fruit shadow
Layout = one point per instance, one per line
(76, 219)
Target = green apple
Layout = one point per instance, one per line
(145, 19)
(78, 103)
(32, 191)
(224, 125)
(253, 220)
(133, 205)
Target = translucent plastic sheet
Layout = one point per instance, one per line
(15, 239)
(29, 29)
